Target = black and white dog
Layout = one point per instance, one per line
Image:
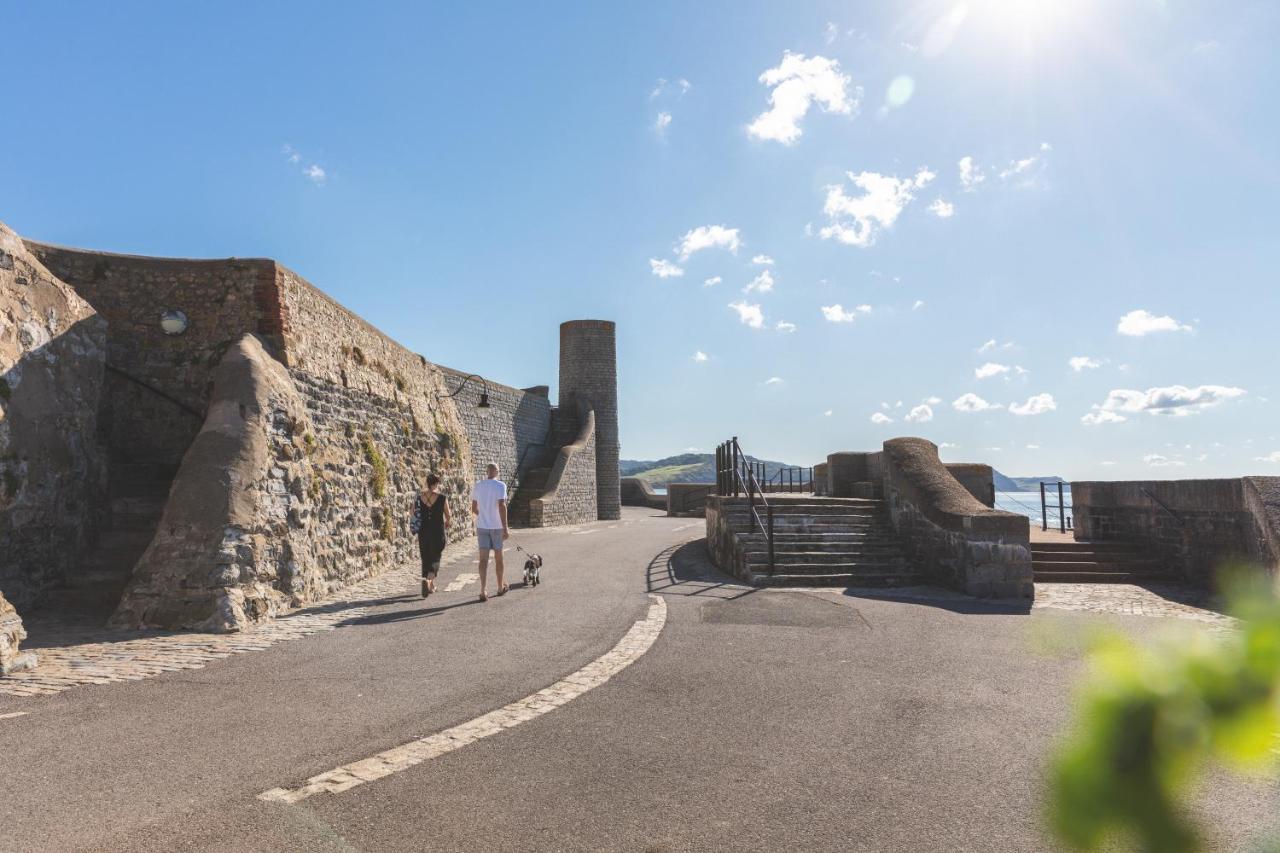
(532, 568)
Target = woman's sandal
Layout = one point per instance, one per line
(484, 597)
(502, 590)
(426, 588)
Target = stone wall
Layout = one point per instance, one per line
(589, 375)
(514, 435)
(637, 492)
(160, 384)
(821, 480)
(52, 469)
(954, 537)
(854, 474)
(1196, 526)
(978, 480)
(570, 496)
(688, 499)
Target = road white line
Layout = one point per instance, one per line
(633, 644)
(583, 532)
(13, 714)
(461, 581)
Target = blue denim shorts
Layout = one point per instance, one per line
(490, 539)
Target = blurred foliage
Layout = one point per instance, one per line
(1150, 718)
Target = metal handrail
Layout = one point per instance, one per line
(191, 410)
(685, 496)
(791, 478)
(731, 463)
(1181, 522)
(1061, 507)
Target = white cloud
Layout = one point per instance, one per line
(749, 314)
(784, 326)
(1177, 400)
(712, 282)
(837, 314)
(945, 445)
(1083, 362)
(989, 345)
(762, 260)
(881, 418)
(858, 220)
(1155, 460)
(663, 268)
(1020, 370)
(971, 402)
(920, 414)
(1273, 456)
(828, 413)
(798, 82)
(662, 85)
(1207, 46)
(1099, 417)
(942, 209)
(1037, 404)
(970, 175)
(315, 174)
(700, 356)
(291, 155)
(661, 123)
(762, 283)
(933, 401)
(917, 305)
(1033, 447)
(708, 237)
(830, 32)
(1142, 322)
(1027, 167)
(990, 369)
(773, 380)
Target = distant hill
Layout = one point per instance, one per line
(684, 468)
(1022, 484)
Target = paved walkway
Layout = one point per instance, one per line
(585, 715)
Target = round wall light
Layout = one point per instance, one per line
(173, 322)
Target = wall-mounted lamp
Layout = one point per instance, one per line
(482, 408)
(173, 322)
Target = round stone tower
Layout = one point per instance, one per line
(589, 372)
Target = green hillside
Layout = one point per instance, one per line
(684, 468)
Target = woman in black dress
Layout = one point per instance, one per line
(430, 521)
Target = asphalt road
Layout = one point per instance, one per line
(759, 720)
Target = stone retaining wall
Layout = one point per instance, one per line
(1196, 526)
(978, 480)
(52, 467)
(953, 536)
(514, 434)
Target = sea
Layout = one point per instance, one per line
(1028, 503)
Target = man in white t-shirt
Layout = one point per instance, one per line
(489, 505)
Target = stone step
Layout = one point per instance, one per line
(844, 554)
(1126, 567)
(807, 501)
(864, 546)
(1127, 547)
(1056, 576)
(789, 578)
(869, 535)
(848, 566)
(815, 512)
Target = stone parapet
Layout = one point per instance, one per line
(688, 499)
(637, 492)
(1195, 526)
(953, 536)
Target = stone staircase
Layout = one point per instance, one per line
(821, 542)
(1094, 562)
(531, 485)
(138, 492)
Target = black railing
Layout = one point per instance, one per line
(1164, 506)
(1051, 503)
(790, 479)
(735, 477)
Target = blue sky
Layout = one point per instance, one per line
(466, 178)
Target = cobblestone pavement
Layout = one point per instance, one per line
(72, 654)
(1161, 600)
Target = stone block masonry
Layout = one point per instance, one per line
(589, 374)
(299, 434)
(52, 468)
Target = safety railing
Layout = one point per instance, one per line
(735, 477)
(1051, 502)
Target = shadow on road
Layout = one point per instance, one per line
(944, 599)
(687, 570)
